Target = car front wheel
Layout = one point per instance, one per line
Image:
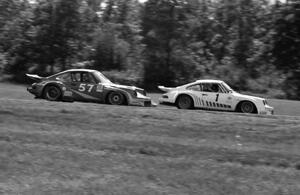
(247, 107)
(116, 98)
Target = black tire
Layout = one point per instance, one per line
(184, 102)
(247, 107)
(52, 93)
(116, 98)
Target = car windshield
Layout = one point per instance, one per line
(100, 77)
(227, 87)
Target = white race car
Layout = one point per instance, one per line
(213, 95)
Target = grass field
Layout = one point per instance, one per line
(83, 148)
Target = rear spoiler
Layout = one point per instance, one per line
(165, 89)
(35, 77)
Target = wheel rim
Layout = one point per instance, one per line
(116, 99)
(184, 102)
(247, 107)
(53, 93)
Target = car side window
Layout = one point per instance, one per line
(86, 77)
(64, 77)
(206, 87)
(196, 87)
(76, 77)
(211, 87)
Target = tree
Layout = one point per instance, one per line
(118, 40)
(15, 22)
(162, 22)
(57, 33)
(287, 46)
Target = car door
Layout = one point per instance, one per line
(83, 86)
(225, 99)
(216, 97)
(210, 95)
(92, 87)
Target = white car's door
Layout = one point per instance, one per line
(210, 99)
(215, 97)
(211, 96)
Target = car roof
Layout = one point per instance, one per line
(73, 70)
(202, 81)
(79, 70)
(209, 81)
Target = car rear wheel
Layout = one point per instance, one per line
(184, 102)
(116, 98)
(247, 107)
(52, 93)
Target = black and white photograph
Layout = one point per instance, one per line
(149, 97)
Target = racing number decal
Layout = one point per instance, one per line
(81, 87)
(84, 87)
(90, 87)
(217, 98)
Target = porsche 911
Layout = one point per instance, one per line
(86, 85)
(213, 95)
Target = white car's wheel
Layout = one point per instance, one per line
(184, 102)
(247, 107)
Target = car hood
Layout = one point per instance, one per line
(122, 86)
(242, 96)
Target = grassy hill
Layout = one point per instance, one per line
(82, 148)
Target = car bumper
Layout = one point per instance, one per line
(164, 100)
(35, 90)
(32, 90)
(145, 103)
(142, 100)
(268, 110)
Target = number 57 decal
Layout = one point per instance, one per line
(85, 87)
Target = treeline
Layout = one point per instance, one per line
(252, 44)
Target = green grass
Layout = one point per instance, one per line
(83, 148)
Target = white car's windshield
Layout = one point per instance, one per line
(227, 87)
(101, 78)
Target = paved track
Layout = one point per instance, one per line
(18, 92)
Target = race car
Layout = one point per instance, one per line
(86, 85)
(213, 95)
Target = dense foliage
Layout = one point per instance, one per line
(252, 44)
